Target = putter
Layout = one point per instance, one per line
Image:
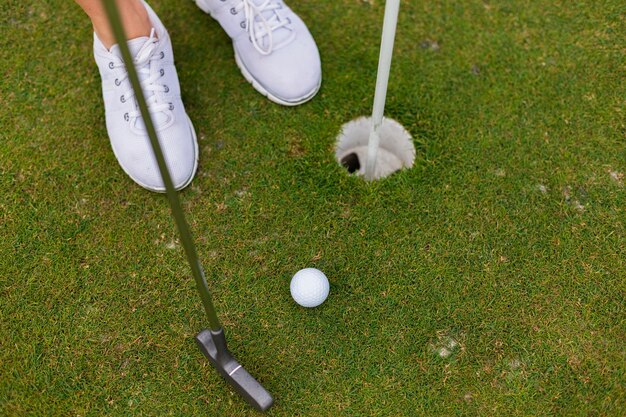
(212, 342)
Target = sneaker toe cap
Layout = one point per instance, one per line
(137, 158)
(291, 73)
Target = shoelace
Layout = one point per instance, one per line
(264, 26)
(149, 83)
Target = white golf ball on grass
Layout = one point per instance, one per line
(309, 287)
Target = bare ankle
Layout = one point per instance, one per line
(134, 18)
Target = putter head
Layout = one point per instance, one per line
(213, 345)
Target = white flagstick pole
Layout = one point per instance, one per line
(392, 8)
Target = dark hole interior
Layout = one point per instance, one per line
(351, 162)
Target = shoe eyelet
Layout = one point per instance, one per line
(126, 116)
(111, 65)
(167, 89)
(171, 106)
(162, 54)
(243, 24)
(117, 82)
(162, 72)
(233, 11)
(288, 21)
(123, 99)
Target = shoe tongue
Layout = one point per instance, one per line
(134, 45)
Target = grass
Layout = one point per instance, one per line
(487, 280)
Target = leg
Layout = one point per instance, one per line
(134, 18)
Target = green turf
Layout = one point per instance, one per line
(504, 244)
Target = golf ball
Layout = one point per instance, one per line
(309, 287)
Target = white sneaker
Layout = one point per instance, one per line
(273, 47)
(154, 60)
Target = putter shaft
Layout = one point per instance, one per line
(172, 196)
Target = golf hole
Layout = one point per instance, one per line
(396, 150)
(351, 162)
